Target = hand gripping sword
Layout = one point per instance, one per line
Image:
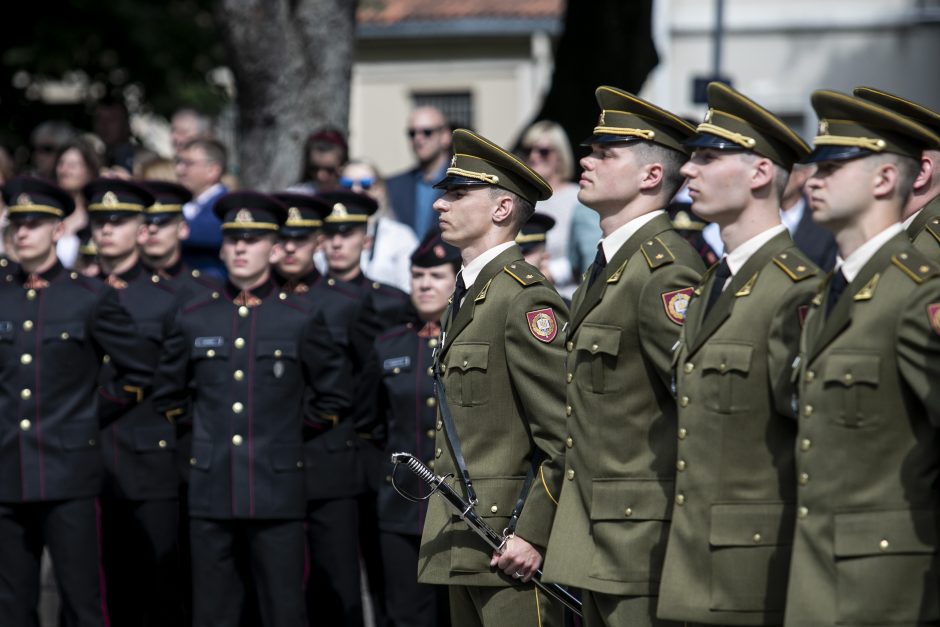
(465, 511)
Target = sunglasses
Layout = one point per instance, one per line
(540, 151)
(329, 169)
(348, 183)
(424, 132)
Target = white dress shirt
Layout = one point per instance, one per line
(852, 265)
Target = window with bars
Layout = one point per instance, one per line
(456, 106)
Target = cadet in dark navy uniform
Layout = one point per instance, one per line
(331, 462)
(244, 359)
(139, 501)
(404, 399)
(55, 329)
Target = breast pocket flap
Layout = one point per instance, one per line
(884, 533)
(751, 524)
(469, 356)
(631, 499)
(727, 357)
(599, 338)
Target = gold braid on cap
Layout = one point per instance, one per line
(159, 207)
(627, 132)
(492, 179)
(267, 226)
(720, 131)
(868, 143)
(36, 209)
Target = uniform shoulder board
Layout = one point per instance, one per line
(795, 265)
(915, 265)
(524, 273)
(657, 253)
(933, 227)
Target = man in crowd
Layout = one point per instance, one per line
(325, 154)
(501, 360)
(626, 318)
(412, 193)
(186, 125)
(200, 165)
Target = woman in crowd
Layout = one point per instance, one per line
(76, 165)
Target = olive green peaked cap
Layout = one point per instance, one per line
(625, 117)
(917, 112)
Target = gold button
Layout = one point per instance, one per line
(282, 295)
(26, 358)
(238, 375)
(331, 282)
(569, 442)
(684, 401)
(375, 285)
(594, 348)
(689, 367)
(238, 407)
(465, 363)
(154, 278)
(31, 294)
(64, 335)
(848, 377)
(810, 375)
(683, 432)
(278, 353)
(239, 342)
(783, 256)
(805, 444)
(210, 353)
(215, 296)
(396, 370)
(680, 499)
(680, 465)
(432, 343)
(430, 371)
(884, 544)
(569, 474)
(300, 464)
(569, 346)
(237, 440)
(28, 325)
(106, 359)
(431, 401)
(567, 410)
(430, 464)
(438, 425)
(804, 478)
(756, 538)
(628, 512)
(494, 509)
(802, 512)
(924, 269)
(26, 393)
(243, 311)
(569, 377)
(162, 443)
(903, 255)
(443, 368)
(722, 367)
(25, 424)
(438, 453)
(192, 461)
(430, 433)
(808, 411)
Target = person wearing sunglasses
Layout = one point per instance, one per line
(412, 193)
(46, 140)
(387, 258)
(325, 154)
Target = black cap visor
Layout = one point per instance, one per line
(607, 138)
(297, 232)
(707, 140)
(453, 180)
(836, 153)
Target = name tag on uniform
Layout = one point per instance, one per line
(396, 362)
(214, 341)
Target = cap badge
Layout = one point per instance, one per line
(600, 120)
(823, 127)
(24, 199)
(110, 199)
(339, 211)
(542, 324)
(453, 161)
(243, 216)
(708, 116)
(439, 251)
(293, 215)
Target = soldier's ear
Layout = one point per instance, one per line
(182, 230)
(502, 213)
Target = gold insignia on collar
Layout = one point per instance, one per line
(24, 199)
(339, 211)
(110, 199)
(682, 220)
(823, 127)
(243, 216)
(746, 289)
(293, 215)
(868, 290)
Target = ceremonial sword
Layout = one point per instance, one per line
(466, 513)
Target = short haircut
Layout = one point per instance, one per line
(214, 149)
(203, 121)
(908, 169)
(780, 177)
(56, 131)
(671, 160)
(522, 209)
(556, 136)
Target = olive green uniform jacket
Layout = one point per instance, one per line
(732, 526)
(868, 453)
(924, 230)
(503, 388)
(610, 530)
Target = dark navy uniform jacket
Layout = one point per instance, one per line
(54, 333)
(245, 363)
(139, 448)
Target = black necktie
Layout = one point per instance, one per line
(722, 274)
(460, 290)
(837, 285)
(600, 262)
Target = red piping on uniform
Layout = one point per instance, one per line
(231, 458)
(251, 411)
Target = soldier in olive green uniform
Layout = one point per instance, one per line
(729, 543)
(865, 550)
(613, 514)
(921, 216)
(502, 358)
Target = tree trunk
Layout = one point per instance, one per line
(605, 42)
(292, 61)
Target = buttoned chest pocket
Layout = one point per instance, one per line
(598, 346)
(851, 380)
(210, 362)
(466, 374)
(63, 340)
(725, 370)
(276, 363)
